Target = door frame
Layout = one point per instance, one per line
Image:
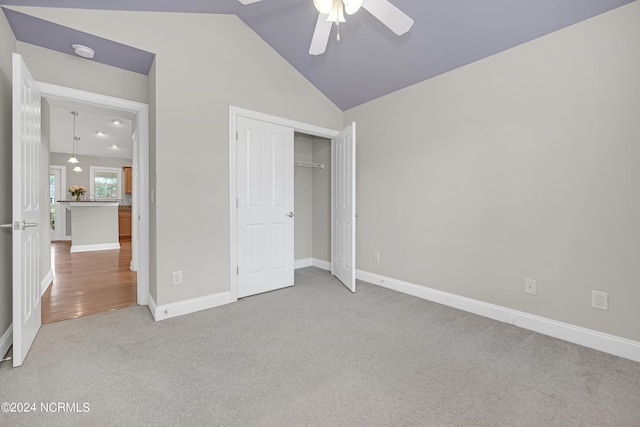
(140, 168)
(60, 208)
(234, 113)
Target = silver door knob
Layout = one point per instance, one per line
(290, 214)
(26, 224)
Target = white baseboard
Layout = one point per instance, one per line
(91, 248)
(167, 311)
(312, 262)
(325, 265)
(151, 303)
(302, 263)
(6, 341)
(611, 344)
(46, 281)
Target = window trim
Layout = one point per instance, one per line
(92, 181)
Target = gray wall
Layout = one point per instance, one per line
(193, 93)
(522, 165)
(53, 67)
(7, 47)
(303, 198)
(312, 199)
(321, 189)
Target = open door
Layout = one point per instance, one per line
(343, 207)
(264, 207)
(26, 210)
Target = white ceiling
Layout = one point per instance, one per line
(91, 118)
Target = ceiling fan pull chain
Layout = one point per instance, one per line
(338, 35)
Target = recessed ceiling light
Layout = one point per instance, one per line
(100, 133)
(83, 51)
(114, 146)
(116, 122)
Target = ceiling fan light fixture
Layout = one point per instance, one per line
(337, 12)
(352, 6)
(324, 6)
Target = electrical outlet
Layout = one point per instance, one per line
(177, 277)
(530, 287)
(600, 300)
(376, 256)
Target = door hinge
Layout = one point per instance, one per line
(237, 136)
(237, 271)
(237, 203)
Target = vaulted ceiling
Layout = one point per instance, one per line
(370, 61)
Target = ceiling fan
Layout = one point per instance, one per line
(333, 11)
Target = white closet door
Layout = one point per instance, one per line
(265, 216)
(343, 211)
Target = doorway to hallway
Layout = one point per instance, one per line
(88, 283)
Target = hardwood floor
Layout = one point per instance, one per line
(88, 282)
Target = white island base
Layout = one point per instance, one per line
(94, 226)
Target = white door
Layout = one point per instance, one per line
(264, 207)
(343, 211)
(57, 211)
(26, 210)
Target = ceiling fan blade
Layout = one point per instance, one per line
(245, 2)
(389, 15)
(320, 35)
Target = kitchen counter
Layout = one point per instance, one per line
(94, 225)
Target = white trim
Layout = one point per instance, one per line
(140, 168)
(319, 263)
(46, 281)
(181, 308)
(611, 344)
(312, 262)
(92, 248)
(6, 341)
(302, 263)
(152, 306)
(234, 113)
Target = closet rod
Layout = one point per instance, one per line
(309, 165)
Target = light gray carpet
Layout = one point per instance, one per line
(316, 354)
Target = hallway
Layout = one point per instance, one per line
(88, 282)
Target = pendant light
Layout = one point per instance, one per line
(77, 168)
(73, 158)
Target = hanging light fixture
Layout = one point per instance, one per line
(73, 158)
(77, 168)
(334, 9)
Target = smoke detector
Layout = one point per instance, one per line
(83, 51)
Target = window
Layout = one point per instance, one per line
(106, 182)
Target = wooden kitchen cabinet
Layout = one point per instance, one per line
(128, 179)
(124, 223)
